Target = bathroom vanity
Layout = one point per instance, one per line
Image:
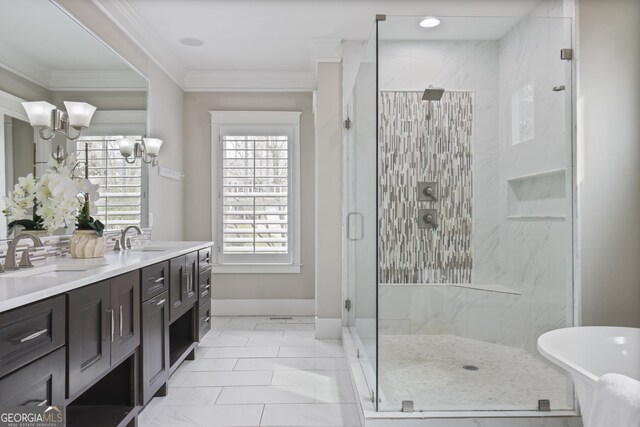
(101, 337)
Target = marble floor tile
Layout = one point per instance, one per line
(252, 371)
(267, 394)
(224, 378)
(208, 416)
(309, 415)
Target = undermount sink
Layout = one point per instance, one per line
(590, 352)
(53, 270)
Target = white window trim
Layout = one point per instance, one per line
(219, 119)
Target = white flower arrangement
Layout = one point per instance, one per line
(51, 201)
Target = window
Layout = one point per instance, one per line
(256, 191)
(121, 183)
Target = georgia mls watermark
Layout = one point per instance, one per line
(32, 416)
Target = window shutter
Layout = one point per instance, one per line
(255, 194)
(120, 202)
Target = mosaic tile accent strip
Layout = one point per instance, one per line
(415, 149)
(58, 246)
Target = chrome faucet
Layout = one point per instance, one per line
(25, 262)
(124, 242)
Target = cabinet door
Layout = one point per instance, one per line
(155, 345)
(38, 384)
(191, 288)
(91, 322)
(177, 291)
(125, 302)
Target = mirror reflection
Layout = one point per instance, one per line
(47, 56)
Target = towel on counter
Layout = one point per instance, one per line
(616, 402)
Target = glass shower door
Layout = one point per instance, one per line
(361, 227)
(475, 212)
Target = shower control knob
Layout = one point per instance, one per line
(428, 191)
(428, 218)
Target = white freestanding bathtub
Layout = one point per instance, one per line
(591, 351)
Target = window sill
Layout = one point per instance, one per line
(256, 268)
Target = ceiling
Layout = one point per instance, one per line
(274, 44)
(41, 43)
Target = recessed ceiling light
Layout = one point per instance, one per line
(191, 41)
(430, 22)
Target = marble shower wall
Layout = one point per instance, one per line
(535, 177)
(470, 66)
(413, 148)
(521, 230)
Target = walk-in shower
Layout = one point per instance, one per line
(458, 183)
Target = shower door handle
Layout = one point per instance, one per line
(358, 225)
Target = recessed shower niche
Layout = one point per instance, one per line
(538, 196)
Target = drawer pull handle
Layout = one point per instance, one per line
(44, 402)
(207, 287)
(113, 325)
(120, 320)
(33, 335)
(160, 280)
(161, 302)
(206, 319)
(207, 260)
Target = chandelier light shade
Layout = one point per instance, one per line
(39, 112)
(80, 113)
(152, 146)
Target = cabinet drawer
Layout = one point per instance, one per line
(30, 332)
(204, 285)
(204, 259)
(155, 280)
(38, 384)
(204, 319)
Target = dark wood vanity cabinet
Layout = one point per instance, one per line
(108, 346)
(104, 326)
(155, 345)
(183, 284)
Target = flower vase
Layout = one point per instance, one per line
(87, 244)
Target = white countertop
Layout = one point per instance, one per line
(18, 291)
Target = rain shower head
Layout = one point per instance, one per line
(433, 94)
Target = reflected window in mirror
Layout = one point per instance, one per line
(123, 185)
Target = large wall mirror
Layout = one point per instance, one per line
(47, 56)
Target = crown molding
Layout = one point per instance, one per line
(105, 80)
(125, 17)
(249, 81)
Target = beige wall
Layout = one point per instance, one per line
(609, 161)
(165, 113)
(198, 188)
(103, 100)
(22, 88)
(328, 160)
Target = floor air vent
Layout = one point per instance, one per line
(280, 318)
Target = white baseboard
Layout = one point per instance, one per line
(328, 328)
(263, 307)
